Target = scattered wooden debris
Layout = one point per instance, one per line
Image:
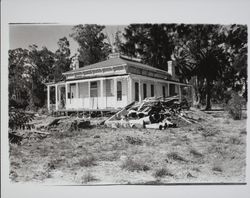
(153, 113)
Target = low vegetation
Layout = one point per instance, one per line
(131, 164)
(162, 172)
(209, 151)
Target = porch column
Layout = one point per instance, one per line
(89, 94)
(59, 95)
(140, 95)
(77, 90)
(129, 90)
(56, 97)
(115, 92)
(168, 93)
(66, 95)
(48, 97)
(155, 89)
(179, 87)
(101, 94)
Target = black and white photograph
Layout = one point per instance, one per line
(124, 99)
(128, 104)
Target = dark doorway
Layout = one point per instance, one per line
(136, 91)
(152, 90)
(163, 91)
(172, 89)
(144, 90)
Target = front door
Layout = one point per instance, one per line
(136, 91)
(94, 95)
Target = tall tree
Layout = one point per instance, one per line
(118, 41)
(92, 42)
(150, 42)
(39, 68)
(203, 56)
(236, 45)
(18, 85)
(62, 59)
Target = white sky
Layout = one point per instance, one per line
(23, 35)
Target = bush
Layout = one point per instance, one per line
(162, 172)
(175, 156)
(87, 161)
(88, 177)
(196, 153)
(19, 119)
(235, 105)
(133, 140)
(209, 132)
(134, 165)
(217, 168)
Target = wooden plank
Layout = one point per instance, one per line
(120, 112)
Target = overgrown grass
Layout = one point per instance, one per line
(88, 177)
(101, 154)
(131, 164)
(162, 172)
(87, 161)
(176, 157)
(133, 140)
(195, 153)
(217, 168)
(235, 105)
(209, 132)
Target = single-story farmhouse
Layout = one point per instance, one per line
(111, 84)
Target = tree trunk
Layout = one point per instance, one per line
(208, 94)
(31, 101)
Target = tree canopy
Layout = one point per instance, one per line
(152, 43)
(214, 54)
(92, 41)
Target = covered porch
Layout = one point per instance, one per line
(107, 93)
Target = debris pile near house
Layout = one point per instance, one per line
(47, 125)
(63, 123)
(155, 113)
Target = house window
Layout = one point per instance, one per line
(93, 89)
(144, 90)
(163, 91)
(136, 91)
(72, 90)
(119, 90)
(109, 87)
(152, 90)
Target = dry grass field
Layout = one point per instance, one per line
(213, 150)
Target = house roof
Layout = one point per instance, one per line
(119, 61)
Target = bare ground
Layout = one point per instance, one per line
(213, 150)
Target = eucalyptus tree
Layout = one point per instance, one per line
(93, 45)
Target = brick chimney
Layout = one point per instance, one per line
(171, 68)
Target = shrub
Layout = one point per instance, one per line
(209, 132)
(133, 140)
(87, 161)
(234, 106)
(88, 177)
(162, 172)
(217, 168)
(235, 140)
(134, 165)
(175, 156)
(18, 119)
(195, 153)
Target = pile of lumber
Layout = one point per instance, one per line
(152, 113)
